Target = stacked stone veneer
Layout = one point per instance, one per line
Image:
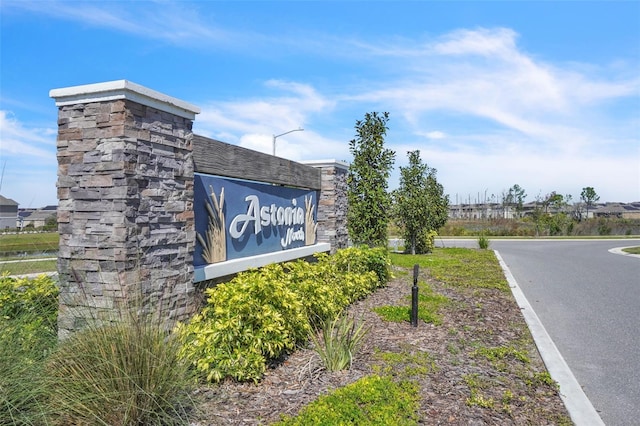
(332, 204)
(125, 214)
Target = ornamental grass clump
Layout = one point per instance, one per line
(124, 373)
(339, 341)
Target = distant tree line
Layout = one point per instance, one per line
(553, 213)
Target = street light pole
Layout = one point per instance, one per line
(282, 134)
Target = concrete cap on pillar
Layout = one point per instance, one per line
(123, 89)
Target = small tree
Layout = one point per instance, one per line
(51, 223)
(589, 197)
(514, 197)
(420, 207)
(556, 202)
(369, 201)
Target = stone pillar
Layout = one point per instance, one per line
(125, 213)
(332, 204)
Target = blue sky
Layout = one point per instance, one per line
(541, 94)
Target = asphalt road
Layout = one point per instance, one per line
(588, 299)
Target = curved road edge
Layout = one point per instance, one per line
(578, 405)
(620, 250)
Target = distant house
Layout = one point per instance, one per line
(8, 213)
(498, 211)
(619, 210)
(36, 218)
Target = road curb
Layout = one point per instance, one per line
(578, 405)
(620, 250)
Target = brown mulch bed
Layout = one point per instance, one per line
(510, 389)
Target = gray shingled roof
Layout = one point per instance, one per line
(4, 201)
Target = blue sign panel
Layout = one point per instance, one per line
(236, 219)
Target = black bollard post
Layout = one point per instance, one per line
(414, 297)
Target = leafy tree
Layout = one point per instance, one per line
(438, 202)
(553, 201)
(367, 181)
(514, 197)
(553, 214)
(411, 200)
(589, 197)
(538, 218)
(556, 201)
(51, 223)
(420, 206)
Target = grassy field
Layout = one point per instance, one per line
(28, 248)
(28, 267)
(458, 267)
(11, 244)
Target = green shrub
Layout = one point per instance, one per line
(356, 286)
(363, 259)
(28, 332)
(319, 287)
(604, 227)
(125, 373)
(425, 242)
(372, 400)
(262, 314)
(340, 340)
(21, 296)
(483, 241)
(248, 320)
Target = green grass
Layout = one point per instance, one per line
(458, 267)
(477, 384)
(372, 400)
(429, 304)
(28, 243)
(501, 357)
(31, 267)
(407, 364)
(632, 250)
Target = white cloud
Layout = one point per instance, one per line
(503, 116)
(499, 42)
(28, 157)
(251, 123)
(481, 76)
(17, 141)
(179, 23)
(435, 134)
(537, 173)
